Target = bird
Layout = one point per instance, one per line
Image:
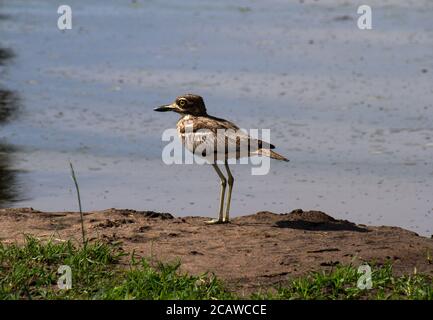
(201, 132)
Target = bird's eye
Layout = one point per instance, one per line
(182, 102)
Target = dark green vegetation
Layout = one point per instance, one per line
(29, 271)
(341, 284)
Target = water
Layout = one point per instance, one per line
(351, 109)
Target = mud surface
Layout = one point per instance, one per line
(254, 251)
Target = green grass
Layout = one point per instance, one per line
(29, 271)
(341, 284)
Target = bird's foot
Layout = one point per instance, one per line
(217, 221)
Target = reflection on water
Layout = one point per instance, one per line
(9, 105)
(5, 54)
(10, 190)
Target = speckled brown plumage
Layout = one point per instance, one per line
(216, 140)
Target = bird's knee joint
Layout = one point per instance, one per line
(223, 182)
(231, 180)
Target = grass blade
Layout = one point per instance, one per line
(74, 178)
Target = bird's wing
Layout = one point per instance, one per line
(210, 136)
(238, 136)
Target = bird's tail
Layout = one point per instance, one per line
(271, 154)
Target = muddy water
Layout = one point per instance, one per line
(351, 109)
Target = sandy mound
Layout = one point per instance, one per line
(253, 251)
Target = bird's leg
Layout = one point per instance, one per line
(231, 180)
(223, 190)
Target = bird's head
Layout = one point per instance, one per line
(186, 104)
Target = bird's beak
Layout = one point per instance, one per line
(169, 107)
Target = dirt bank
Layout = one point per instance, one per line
(258, 250)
